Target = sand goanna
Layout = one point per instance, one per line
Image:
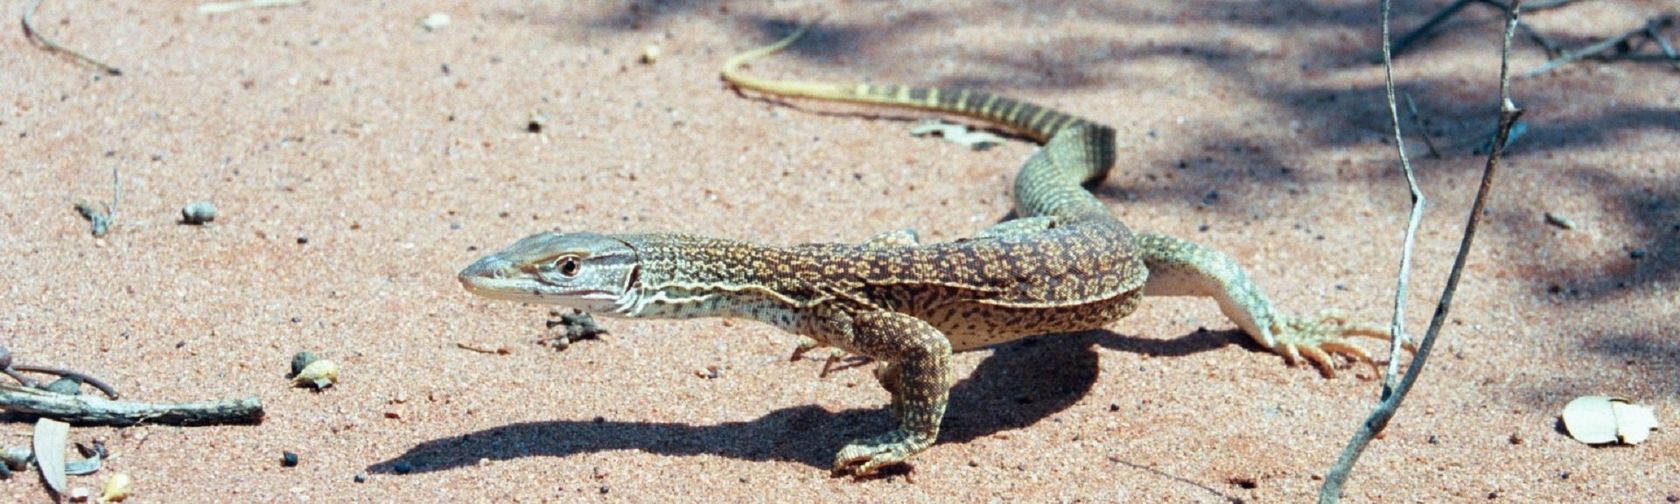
(1066, 264)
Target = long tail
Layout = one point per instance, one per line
(1049, 185)
(1034, 121)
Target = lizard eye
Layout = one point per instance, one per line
(567, 265)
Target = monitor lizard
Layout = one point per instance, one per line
(1065, 264)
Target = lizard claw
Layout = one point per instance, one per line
(865, 457)
(807, 344)
(1319, 339)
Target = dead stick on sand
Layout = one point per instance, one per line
(34, 34)
(94, 410)
(1591, 50)
(1395, 389)
(221, 7)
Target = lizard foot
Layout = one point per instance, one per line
(1322, 337)
(830, 363)
(864, 457)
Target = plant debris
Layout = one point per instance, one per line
(51, 438)
(957, 134)
(1606, 419)
(224, 7)
(34, 34)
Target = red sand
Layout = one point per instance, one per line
(402, 155)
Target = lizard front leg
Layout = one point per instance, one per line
(917, 374)
(1181, 268)
(887, 239)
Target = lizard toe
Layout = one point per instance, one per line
(867, 456)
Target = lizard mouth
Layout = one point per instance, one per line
(498, 278)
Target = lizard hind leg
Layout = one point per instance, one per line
(1181, 268)
(896, 238)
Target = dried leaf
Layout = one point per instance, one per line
(1605, 419)
(957, 134)
(51, 438)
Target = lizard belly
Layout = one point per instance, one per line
(970, 324)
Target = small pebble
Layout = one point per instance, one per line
(198, 213)
(66, 386)
(80, 494)
(361, 477)
(288, 459)
(117, 489)
(650, 54)
(1637, 253)
(1560, 221)
(403, 467)
(536, 124)
(435, 21)
(319, 374)
(300, 361)
(302, 240)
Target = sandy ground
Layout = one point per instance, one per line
(359, 161)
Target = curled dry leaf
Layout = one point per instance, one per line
(320, 374)
(1605, 419)
(51, 438)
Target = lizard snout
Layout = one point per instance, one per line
(489, 267)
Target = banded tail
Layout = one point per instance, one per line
(1075, 150)
(1036, 122)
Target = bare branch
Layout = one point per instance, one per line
(93, 410)
(1394, 394)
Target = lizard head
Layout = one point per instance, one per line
(591, 272)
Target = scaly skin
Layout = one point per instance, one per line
(1066, 265)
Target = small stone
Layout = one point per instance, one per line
(403, 468)
(302, 240)
(650, 54)
(117, 489)
(536, 124)
(1637, 253)
(288, 459)
(1559, 221)
(320, 374)
(66, 386)
(1515, 439)
(435, 21)
(198, 213)
(361, 477)
(80, 494)
(301, 360)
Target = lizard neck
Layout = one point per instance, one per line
(686, 276)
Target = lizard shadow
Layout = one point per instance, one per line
(1020, 384)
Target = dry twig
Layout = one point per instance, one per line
(1622, 46)
(1394, 392)
(224, 7)
(51, 45)
(93, 410)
